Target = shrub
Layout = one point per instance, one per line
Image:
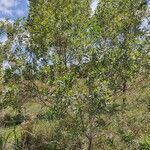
(144, 144)
(9, 120)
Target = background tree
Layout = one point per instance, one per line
(59, 28)
(119, 38)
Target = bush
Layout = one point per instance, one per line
(46, 135)
(144, 144)
(9, 120)
(1, 142)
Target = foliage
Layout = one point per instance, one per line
(74, 64)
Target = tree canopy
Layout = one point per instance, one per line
(74, 62)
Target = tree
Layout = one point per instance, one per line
(118, 39)
(103, 47)
(59, 28)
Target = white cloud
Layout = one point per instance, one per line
(6, 6)
(6, 65)
(3, 38)
(5, 11)
(20, 12)
(94, 5)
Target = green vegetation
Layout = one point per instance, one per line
(77, 80)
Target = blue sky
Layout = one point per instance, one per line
(13, 9)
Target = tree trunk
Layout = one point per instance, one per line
(90, 143)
